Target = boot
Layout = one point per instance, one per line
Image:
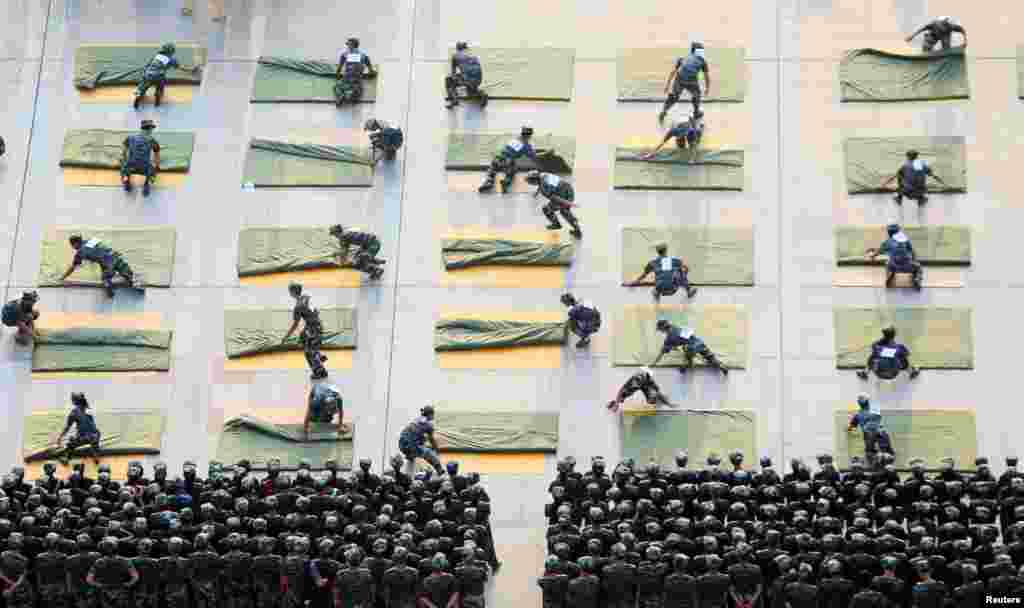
(487, 186)
(136, 102)
(127, 183)
(506, 184)
(661, 116)
(898, 199)
(923, 199)
(583, 343)
(145, 188)
(157, 99)
(109, 288)
(690, 292)
(889, 278)
(576, 232)
(862, 374)
(483, 100)
(451, 102)
(914, 372)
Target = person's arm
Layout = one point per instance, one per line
(75, 262)
(664, 141)
(892, 178)
(561, 201)
(647, 270)
(935, 177)
(707, 79)
(134, 574)
(854, 422)
(455, 66)
(917, 32)
(455, 601)
(67, 427)
(370, 72)
(156, 155)
(295, 325)
(341, 64)
(432, 440)
(959, 29)
(671, 77)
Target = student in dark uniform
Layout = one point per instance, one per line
(685, 76)
(312, 331)
(383, 138)
(110, 261)
(670, 274)
(86, 433)
(140, 155)
(353, 66)
(466, 72)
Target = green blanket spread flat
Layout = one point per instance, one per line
(121, 432)
(927, 434)
(248, 437)
(472, 334)
(98, 65)
(934, 245)
(103, 149)
(274, 163)
(658, 436)
(873, 75)
(527, 74)
(103, 350)
(642, 73)
(268, 249)
(675, 169)
(149, 252)
(496, 432)
(258, 331)
(464, 253)
(475, 151)
(716, 256)
(870, 161)
(938, 338)
(285, 80)
(636, 342)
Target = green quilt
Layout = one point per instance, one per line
(674, 169)
(659, 436)
(122, 432)
(495, 432)
(258, 441)
(101, 350)
(103, 149)
(268, 249)
(149, 251)
(716, 256)
(257, 331)
(528, 74)
(463, 253)
(98, 65)
(938, 338)
(927, 434)
(273, 164)
(472, 334)
(934, 245)
(635, 342)
(475, 151)
(872, 160)
(284, 80)
(642, 73)
(873, 75)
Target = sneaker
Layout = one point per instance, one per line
(863, 375)
(898, 199)
(487, 186)
(127, 185)
(145, 189)
(135, 104)
(725, 371)
(914, 373)
(483, 100)
(692, 291)
(576, 233)
(923, 200)
(661, 117)
(583, 343)
(451, 103)
(157, 100)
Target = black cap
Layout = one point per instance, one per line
(427, 410)
(461, 46)
(147, 124)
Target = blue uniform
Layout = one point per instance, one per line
(413, 441)
(155, 74)
(687, 79)
(669, 275)
(901, 254)
(912, 180)
(585, 319)
(505, 162)
(876, 438)
(354, 66)
(324, 402)
(888, 358)
(86, 431)
(686, 134)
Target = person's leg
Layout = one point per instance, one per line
(713, 360)
(451, 88)
(431, 457)
(871, 448)
(107, 276)
(24, 333)
(863, 373)
(140, 92)
(126, 175)
(917, 275)
(492, 172)
(549, 212)
(671, 100)
(159, 97)
(147, 171)
(884, 443)
(124, 270)
(683, 278)
(510, 176)
(695, 98)
(314, 358)
(570, 218)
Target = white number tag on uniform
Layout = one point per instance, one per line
(164, 59)
(516, 145)
(919, 164)
(900, 237)
(888, 353)
(666, 264)
(92, 242)
(686, 333)
(354, 58)
(552, 180)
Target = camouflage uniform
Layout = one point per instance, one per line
(312, 335)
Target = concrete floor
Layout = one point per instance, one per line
(791, 126)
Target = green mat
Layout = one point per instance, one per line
(102, 149)
(934, 245)
(257, 331)
(635, 342)
(463, 253)
(263, 250)
(927, 434)
(149, 251)
(101, 350)
(259, 441)
(647, 435)
(98, 65)
(872, 160)
(273, 163)
(475, 151)
(642, 73)
(284, 80)
(873, 75)
(123, 432)
(716, 256)
(471, 334)
(496, 432)
(938, 338)
(672, 169)
(528, 74)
